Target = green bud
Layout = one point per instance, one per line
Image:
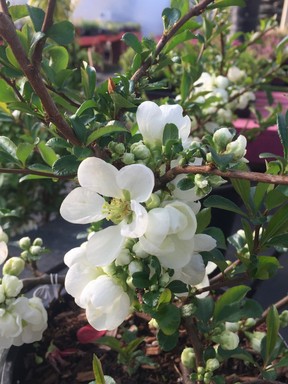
(255, 339)
(283, 317)
(221, 138)
(135, 266)
(25, 243)
(228, 340)
(201, 370)
(212, 365)
(38, 241)
(153, 201)
(233, 327)
(188, 358)
(24, 255)
(119, 148)
(3, 236)
(35, 250)
(250, 322)
(207, 377)
(140, 151)
(237, 148)
(13, 266)
(128, 158)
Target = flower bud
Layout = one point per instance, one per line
(140, 151)
(188, 358)
(139, 251)
(222, 137)
(283, 317)
(250, 322)
(13, 266)
(153, 201)
(24, 255)
(212, 365)
(255, 339)
(237, 148)
(128, 158)
(25, 243)
(235, 74)
(12, 285)
(124, 257)
(228, 340)
(135, 266)
(38, 241)
(2, 294)
(221, 81)
(233, 327)
(35, 250)
(153, 324)
(119, 148)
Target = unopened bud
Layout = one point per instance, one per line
(222, 137)
(25, 243)
(237, 148)
(111, 86)
(228, 340)
(12, 285)
(140, 151)
(153, 201)
(212, 365)
(38, 241)
(35, 250)
(188, 358)
(128, 158)
(13, 266)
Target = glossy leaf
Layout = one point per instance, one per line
(168, 318)
(61, 32)
(217, 234)
(177, 286)
(226, 3)
(178, 39)
(203, 219)
(111, 342)
(86, 105)
(165, 297)
(6, 92)
(24, 150)
(237, 353)
(205, 308)
(37, 16)
(267, 266)
(58, 58)
(9, 149)
(167, 342)
(170, 16)
(231, 296)
(107, 130)
(279, 240)
(132, 41)
(220, 202)
(277, 225)
(88, 80)
(273, 324)
(170, 132)
(47, 153)
(18, 11)
(66, 166)
(282, 123)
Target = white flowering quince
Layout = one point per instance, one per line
(106, 303)
(3, 246)
(170, 235)
(10, 327)
(152, 119)
(116, 195)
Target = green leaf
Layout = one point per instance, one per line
(24, 150)
(107, 130)
(167, 342)
(273, 324)
(217, 234)
(141, 280)
(203, 219)
(170, 132)
(231, 296)
(37, 16)
(59, 58)
(121, 102)
(66, 166)
(9, 149)
(97, 370)
(6, 92)
(61, 32)
(279, 240)
(170, 16)
(47, 153)
(282, 123)
(267, 266)
(111, 342)
(88, 104)
(88, 80)
(274, 198)
(277, 225)
(186, 183)
(132, 41)
(177, 286)
(242, 187)
(165, 297)
(220, 202)
(18, 11)
(237, 353)
(178, 39)
(205, 308)
(168, 317)
(226, 3)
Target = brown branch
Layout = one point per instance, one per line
(195, 11)
(222, 283)
(229, 174)
(13, 86)
(195, 341)
(47, 23)
(3, 7)
(61, 94)
(8, 32)
(279, 304)
(33, 172)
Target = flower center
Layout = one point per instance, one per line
(117, 210)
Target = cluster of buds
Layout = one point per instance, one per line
(31, 251)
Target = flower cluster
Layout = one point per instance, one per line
(220, 96)
(145, 230)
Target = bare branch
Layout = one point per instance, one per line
(33, 172)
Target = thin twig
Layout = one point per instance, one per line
(33, 172)
(281, 303)
(229, 174)
(195, 11)
(32, 282)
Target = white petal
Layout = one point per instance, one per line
(204, 243)
(150, 122)
(178, 257)
(189, 231)
(210, 267)
(138, 180)
(204, 283)
(82, 206)
(74, 255)
(194, 272)
(139, 224)
(98, 176)
(173, 114)
(158, 225)
(104, 246)
(3, 251)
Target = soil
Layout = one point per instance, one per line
(61, 359)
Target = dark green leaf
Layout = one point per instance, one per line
(186, 183)
(280, 241)
(242, 187)
(231, 296)
(167, 342)
(47, 153)
(203, 219)
(282, 123)
(88, 80)
(177, 286)
(272, 324)
(132, 41)
(170, 132)
(274, 198)
(170, 16)
(104, 131)
(59, 58)
(61, 32)
(37, 16)
(140, 280)
(216, 257)
(86, 105)
(66, 166)
(220, 202)
(9, 149)
(277, 225)
(111, 342)
(267, 266)
(121, 102)
(168, 318)
(237, 353)
(178, 39)
(226, 3)
(205, 308)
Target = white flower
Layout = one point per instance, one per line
(10, 327)
(152, 119)
(221, 82)
(12, 285)
(235, 74)
(195, 273)
(33, 316)
(80, 272)
(106, 303)
(170, 234)
(244, 99)
(126, 188)
(3, 246)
